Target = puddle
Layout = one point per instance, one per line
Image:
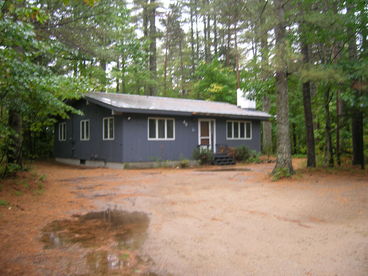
(119, 228)
(226, 170)
(110, 241)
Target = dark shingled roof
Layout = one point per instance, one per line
(172, 106)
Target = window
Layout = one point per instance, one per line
(108, 128)
(84, 130)
(238, 130)
(62, 131)
(161, 129)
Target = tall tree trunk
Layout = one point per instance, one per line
(266, 102)
(283, 161)
(208, 32)
(193, 68)
(145, 15)
(357, 114)
(358, 145)
(103, 66)
(197, 30)
(205, 42)
(338, 115)
(165, 69)
(181, 67)
(227, 59)
(329, 160)
(215, 33)
(14, 151)
(236, 58)
(117, 78)
(152, 47)
(308, 115)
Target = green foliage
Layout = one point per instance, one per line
(204, 156)
(280, 173)
(4, 203)
(242, 153)
(184, 163)
(215, 82)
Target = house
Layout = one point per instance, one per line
(118, 129)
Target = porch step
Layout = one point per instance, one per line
(222, 159)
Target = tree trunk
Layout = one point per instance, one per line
(197, 31)
(14, 151)
(181, 67)
(266, 102)
(358, 145)
(236, 58)
(329, 160)
(117, 78)
(192, 39)
(215, 34)
(165, 69)
(205, 38)
(267, 127)
(283, 161)
(152, 47)
(338, 115)
(357, 114)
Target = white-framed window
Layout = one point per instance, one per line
(108, 128)
(84, 130)
(62, 131)
(238, 130)
(161, 129)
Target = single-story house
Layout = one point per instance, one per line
(121, 128)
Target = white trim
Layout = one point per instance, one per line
(62, 132)
(212, 146)
(108, 128)
(245, 130)
(87, 131)
(156, 129)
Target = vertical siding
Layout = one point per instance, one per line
(95, 148)
(253, 144)
(131, 142)
(137, 147)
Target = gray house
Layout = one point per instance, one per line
(117, 129)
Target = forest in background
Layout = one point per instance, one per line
(304, 61)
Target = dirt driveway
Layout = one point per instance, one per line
(187, 222)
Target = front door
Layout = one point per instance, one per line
(207, 133)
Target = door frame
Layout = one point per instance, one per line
(212, 132)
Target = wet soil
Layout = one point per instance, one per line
(112, 237)
(185, 222)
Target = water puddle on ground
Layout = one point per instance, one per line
(111, 241)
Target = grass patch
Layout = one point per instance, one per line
(4, 203)
(280, 173)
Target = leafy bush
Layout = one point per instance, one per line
(184, 163)
(242, 154)
(204, 156)
(280, 173)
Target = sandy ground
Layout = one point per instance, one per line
(201, 222)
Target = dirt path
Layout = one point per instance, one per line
(187, 222)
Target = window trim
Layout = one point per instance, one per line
(156, 124)
(87, 131)
(108, 128)
(245, 130)
(62, 126)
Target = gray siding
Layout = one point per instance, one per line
(137, 147)
(95, 148)
(253, 144)
(131, 142)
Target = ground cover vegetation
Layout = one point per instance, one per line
(304, 61)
